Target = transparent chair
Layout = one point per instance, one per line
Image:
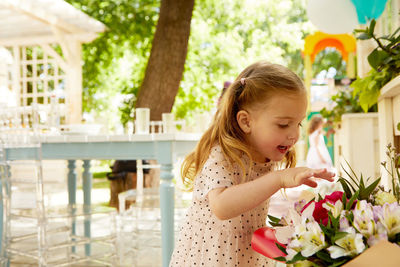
(139, 226)
(36, 231)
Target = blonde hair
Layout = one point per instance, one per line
(315, 122)
(261, 81)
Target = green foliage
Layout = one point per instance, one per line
(329, 58)
(385, 63)
(345, 102)
(114, 63)
(356, 188)
(367, 89)
(225, 37)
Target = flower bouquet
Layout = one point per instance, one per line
(333, 230)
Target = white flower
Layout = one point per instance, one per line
(284, 233)
(291, 252)
(336, 208)
(379, 234)
(350, 245)
(389, 216)
(343, 221)
(364, 218)
(313, 239)
(307, 237)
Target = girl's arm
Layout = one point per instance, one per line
(227, 203)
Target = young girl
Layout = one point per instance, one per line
(318, 155)
(233, 170)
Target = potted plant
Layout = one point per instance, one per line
(385, 63)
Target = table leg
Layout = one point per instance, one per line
(167, 213)
(5, 206)
(87, 200)
(72, 197)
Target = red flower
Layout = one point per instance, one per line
(320, 214)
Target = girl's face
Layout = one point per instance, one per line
(275, 128)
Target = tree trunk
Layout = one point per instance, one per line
(167, 58)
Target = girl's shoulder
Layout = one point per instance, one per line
(216, 156)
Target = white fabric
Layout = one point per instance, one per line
(317, 143)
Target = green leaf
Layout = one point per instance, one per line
(338, 236)
(324, 229)
(297, 257)
(274, 224)
(355, 180)
(280, 259)
(339, 263)
(344, 198)
(323, 255)
(372, 27)
(346, 187)
(274, 219)
(281, 248)
(367, 191)
(352, 199)
(376, 58)
(364, 36)
(362, 186)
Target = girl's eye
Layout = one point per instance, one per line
(283, 125)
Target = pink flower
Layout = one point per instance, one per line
(320, 214)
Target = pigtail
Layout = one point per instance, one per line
(290, 159)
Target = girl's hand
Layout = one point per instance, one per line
(293, 177)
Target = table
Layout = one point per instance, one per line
(165, 148)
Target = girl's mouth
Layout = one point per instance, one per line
(283, 149)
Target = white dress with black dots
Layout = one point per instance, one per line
(205, 240)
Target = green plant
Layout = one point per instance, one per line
(345, 102)
(393, 169)
(357, 186)
(385, 63)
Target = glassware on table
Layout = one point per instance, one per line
(168, 123)
(142, 121)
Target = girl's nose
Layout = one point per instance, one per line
(293, 135)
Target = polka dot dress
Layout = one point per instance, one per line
(205, 240)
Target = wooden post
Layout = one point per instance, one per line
(74, 82)
(388, 118)
(72, 50)
(16, 74)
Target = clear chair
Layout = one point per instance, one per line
(139, 226)
(36, 231)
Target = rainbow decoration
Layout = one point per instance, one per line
(315, 43)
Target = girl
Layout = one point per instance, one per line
(318, 155)
(233, 170)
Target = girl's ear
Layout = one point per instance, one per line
(243, 119)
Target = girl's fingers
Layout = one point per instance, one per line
(324, 174)
(303, 176)
(310, 183)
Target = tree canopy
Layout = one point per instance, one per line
(226, 36)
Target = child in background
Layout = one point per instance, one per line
(318, 154)
(234, 169)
